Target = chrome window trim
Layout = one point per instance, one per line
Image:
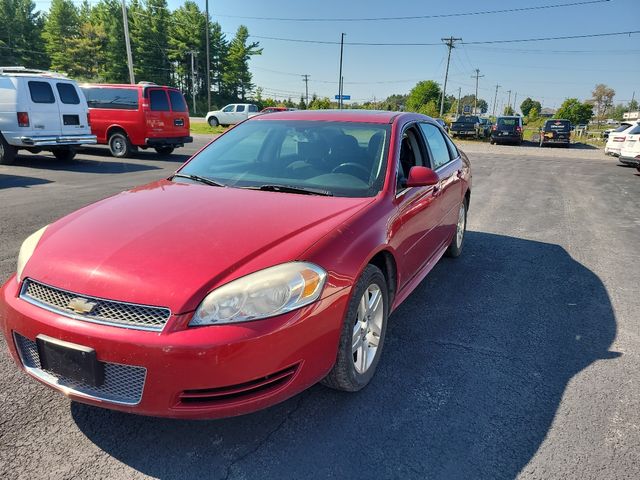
(65, 313)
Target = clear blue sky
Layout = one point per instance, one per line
(542, 70)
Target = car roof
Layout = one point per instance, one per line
(364, 116)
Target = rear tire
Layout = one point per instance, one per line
(457, 242)
(7, 152)
(213, 122)
(119, 145)
(164, 150)
(363, 332)
(64, 154)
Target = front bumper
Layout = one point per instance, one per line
(204, 372)
(167, 141)
(58, 141)
(632, 161)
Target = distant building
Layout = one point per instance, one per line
(631, 116)
(547, 112)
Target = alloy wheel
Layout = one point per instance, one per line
(367, 328)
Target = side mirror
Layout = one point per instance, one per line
(422, 177)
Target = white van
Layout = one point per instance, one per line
(41, 111)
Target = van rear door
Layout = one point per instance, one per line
(179, 115)
(158, 114)
(73, 109)
(44, 115)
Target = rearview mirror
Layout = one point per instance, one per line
(422, 177)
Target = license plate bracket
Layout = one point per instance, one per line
(70, 360)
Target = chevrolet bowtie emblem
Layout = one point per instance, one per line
(81, 305)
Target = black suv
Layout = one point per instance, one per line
(507, 130)
(556, 132)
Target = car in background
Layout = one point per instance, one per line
(41, 111)
(484, 127)
(630, 151)
(275, 109)
(127, 117)
(268, 262)
(231, 114)
(615, 139)
(556, 132)
(507, 129)
(465, 126)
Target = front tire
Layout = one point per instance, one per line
(457, 242)
(7, 152)
(363, 333)
(119, 145)
(64, 154)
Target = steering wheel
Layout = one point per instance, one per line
(352, 168)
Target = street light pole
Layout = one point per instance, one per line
(340, 73)
(125, 23)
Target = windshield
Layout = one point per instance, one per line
(557, 126)
(344, 158)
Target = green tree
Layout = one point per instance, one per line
(602, 100)
(424, 92)
(61, 25)
(633, 105)
(219, 49)
(534, 114)
(394, 103)
(528, 104)
(149, 27)
(20, 35)
(237, 77)
(508, 110)
(574, 111)
(302, 105)
(319, 103)
(112, 60)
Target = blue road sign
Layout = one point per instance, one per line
(344, 97)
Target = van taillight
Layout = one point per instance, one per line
(23, 119)
(518, 129)
(494, 127)
(88, 120)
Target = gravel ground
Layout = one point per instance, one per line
(520, 359)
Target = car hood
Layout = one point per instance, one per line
(168, 244)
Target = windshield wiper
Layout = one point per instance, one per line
(198, 178)
(293, 189)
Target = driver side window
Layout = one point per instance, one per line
(410, 156)
(228, 108)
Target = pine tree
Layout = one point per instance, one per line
(149, 27)
(112, 63)
(219, 49)
(20, 40)
(87, 49)
(61, 26)
(237, 76)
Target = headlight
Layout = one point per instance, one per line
(263, 294)
(26, 250)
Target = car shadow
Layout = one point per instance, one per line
(10, 181)
(149, 154)
(475, 365)
(79, 165)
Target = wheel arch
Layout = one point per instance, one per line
(387, 264)
(116, 128)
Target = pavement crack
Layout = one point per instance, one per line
(266, 439)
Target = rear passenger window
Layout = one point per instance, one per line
(240, 108)
(68, 93)
(253, 108)
(111, 98)
(177, 101)
(437, 145)
(41, 92)
(158, 100)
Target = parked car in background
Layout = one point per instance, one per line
(507, 129)
(630, 151)
(616, 138)
(231, 114)
(623, 126)
(465, 126)
(484, 127)
(127, 117)
(274, 109)
(270, 261)
(556, 132)
(41, 111)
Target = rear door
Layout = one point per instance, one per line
(179, 126)
(73, 109)
(240, 114)
(507, 126)
(44, 114)
(158, 115)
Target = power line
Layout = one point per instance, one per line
(415, 17)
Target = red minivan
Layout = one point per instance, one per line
(145, 115)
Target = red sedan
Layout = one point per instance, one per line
(270, 261)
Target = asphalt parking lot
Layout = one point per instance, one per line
(520, 359)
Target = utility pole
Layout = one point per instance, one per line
(633, 97)
(509, 101)
(306, 88)
(459, 93)
(475, 102)
(495, 99)
(125, 22)
(206, 7)
(340, 73)
(193, 78)
(450, 43)
(515, 102)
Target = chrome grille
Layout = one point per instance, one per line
(122, 383)
(109, 312)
